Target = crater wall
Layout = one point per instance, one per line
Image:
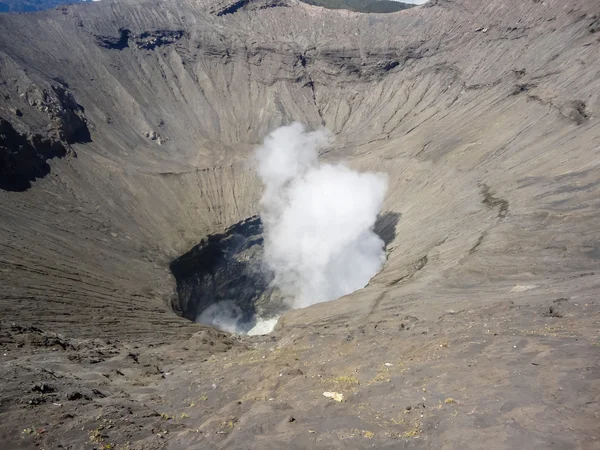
(484, 116)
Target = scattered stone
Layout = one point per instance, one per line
(523, 288)
(577, 112)
(556, 309)
(74, 396)
(553, 312)
(519, 88)
(97, 393)
(154, 136)
(37, 400)
(42, 388)
(334, 396)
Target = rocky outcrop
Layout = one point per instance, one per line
(24, 158)
(147, 40)
(39, 121)
(118, 42)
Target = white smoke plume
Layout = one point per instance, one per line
(225, 315)
(318, 218)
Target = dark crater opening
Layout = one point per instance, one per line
(222, 281)
(222, 278)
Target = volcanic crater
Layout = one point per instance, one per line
(129, 204)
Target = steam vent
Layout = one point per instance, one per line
(266, 224)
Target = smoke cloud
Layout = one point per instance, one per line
(225, 315)
(318, 218)
(318, 222)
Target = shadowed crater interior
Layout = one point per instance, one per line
(223, 277)
(223, 282)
